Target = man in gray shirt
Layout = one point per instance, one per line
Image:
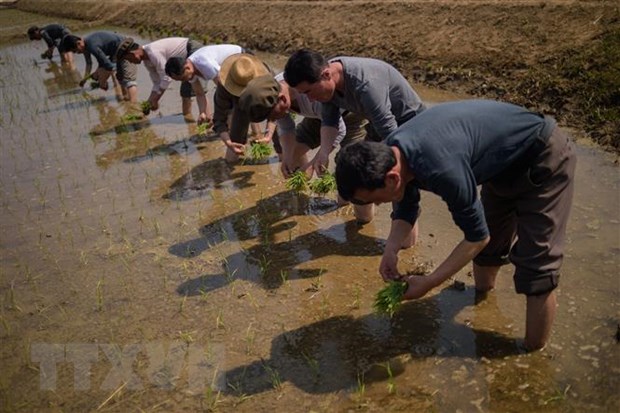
(105, 46)
(525, 165)
(369, 87)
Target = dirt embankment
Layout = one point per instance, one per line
(561, 57)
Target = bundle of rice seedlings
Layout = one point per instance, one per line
(203, 128)
(259, 151)
(388, 300)
(298, 181)
(130, 117)
(145, 105)
(325, 184)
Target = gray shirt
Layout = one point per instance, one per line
(453, 147)
(53, 34)
(375, 90)
(103, 46)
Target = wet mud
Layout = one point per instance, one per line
(153, 276)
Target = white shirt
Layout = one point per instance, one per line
(158, 53)
(208, 60)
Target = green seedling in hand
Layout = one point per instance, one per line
(388, 300)
(298, 181)
(146, 107)
(203, 128)
(259, 151)
(325, 184)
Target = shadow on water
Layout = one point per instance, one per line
(261, 220)
(185, 146)
(206, 176)
(341, 352)
(271, 264)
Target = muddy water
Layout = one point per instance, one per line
(140, 272)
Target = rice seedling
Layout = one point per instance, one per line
(145, 106)
(325, 184)
(274, 377)
(391, 385)
(203, 128)
(131, 117)
(361, 386)
(250, 335)
(264, 263)
(99, 293)
(388, 299)
(312, 363)
(187, 337)
(219, 320)
(6, 325)
(257, 151)
(298, 181)
(182, 304)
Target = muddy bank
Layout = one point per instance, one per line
(560, 57)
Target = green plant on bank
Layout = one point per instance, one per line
(298, 181)
(145, 106)
(388, 299)
(257, 151)
(323, 185)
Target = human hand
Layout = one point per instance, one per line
(266, 138)
(389, 266)
(320, 162)
(237, 148)
(154, 104)
(82, 82)
(418, 286)
(204, 118)
(103, 85)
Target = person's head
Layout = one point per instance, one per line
(366, 173)
(180, 68)
(34, 33)
(264, 98)
(72, 43)
(130, 50)
(309, 73)
(238, 70)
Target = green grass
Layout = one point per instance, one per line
(388, 300)
(324, 185)
(298, 181)
(131, 117)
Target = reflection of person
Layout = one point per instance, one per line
(52, 34)
(526, 166)
(105, 46)
(205, 64)
(154, 55)
(269, 97)
(236, 72)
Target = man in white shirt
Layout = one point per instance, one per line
(204, 63)
(154, 55)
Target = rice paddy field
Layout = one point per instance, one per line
(141, 272)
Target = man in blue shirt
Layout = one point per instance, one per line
(525, 165)
(52, 34)
(105, 46)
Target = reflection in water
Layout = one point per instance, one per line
(270, 264)
(334, 354)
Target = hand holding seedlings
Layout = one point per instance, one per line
(131, 117)
(388, 299)
(323, 185)
(258, 151)
(203, 127)
(146, 107)
(297, 181)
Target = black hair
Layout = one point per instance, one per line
(69, 43)
(32, 30)
(133, 47)
(174, 66)
(363, 165)
(304, 65)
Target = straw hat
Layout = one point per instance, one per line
(237, 71)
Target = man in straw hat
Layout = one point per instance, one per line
(271, 98)
(154, 55)
(106, 46)
(235, 74)
(204, 64)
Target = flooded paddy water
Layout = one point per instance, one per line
(140, 272)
